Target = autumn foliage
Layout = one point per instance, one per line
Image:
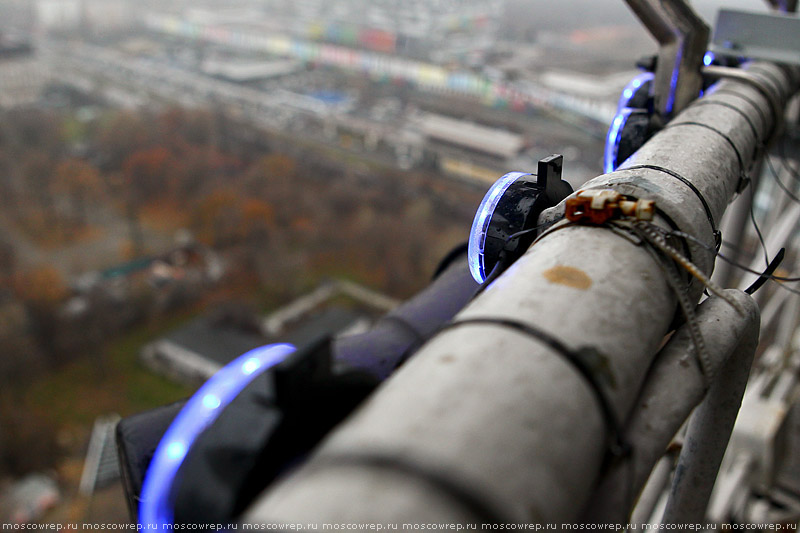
(277, 206)
(42, 286)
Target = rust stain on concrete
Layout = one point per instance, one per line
(569, 276)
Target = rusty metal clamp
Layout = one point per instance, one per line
(597, 206)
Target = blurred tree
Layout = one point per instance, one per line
(143, 177)
(146, 172)
(279, 167)
(119, 135)
(22, 359)
(274, 178)
(80, 182)
(28, 440)
(37, 169)
(42, 287)
(178, 126)
(258, 219)
(217, 218)
(8, 263)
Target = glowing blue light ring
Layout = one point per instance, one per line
(480, 224)
(630, 90)
(613, 139)
(708, 58)
(202, 409)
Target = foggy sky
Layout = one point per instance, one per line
(571, 14)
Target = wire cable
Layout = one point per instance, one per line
(762, 279)
(741, 113)
(755, 226)
(694, 189)
(747, 100)
(579, 359)
(662, 253)
(504, 260)
(794, 172)
(789, 193)
(771, 277)
(718, 132)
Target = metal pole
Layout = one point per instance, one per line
(652, 491)
(673, 388)
(504, 418)
(707, 438)
(787, 327)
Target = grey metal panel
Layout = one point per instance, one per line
(770, 37)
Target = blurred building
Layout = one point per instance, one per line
(463, 148)
(106, 16)
(22, 76)
(58, 15)
(193, 353)
(87, 16)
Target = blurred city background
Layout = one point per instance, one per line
(183, 180)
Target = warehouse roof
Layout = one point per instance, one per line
(494, 141)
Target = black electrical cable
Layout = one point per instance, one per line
(772, 277)
(755, 226)
(686, 248)
(747, 99)
(718, 132)
(499, 267)
(762, 279)
(695, 190)
(732, 108)
(784, 287)
(731, 246)
(448, 259)
(694, 239)
(504, 261)
(577, 358)
(771, 97)
(789, 193)
(617, 448)
(793, 171)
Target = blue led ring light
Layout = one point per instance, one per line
(610, 162)
(202, 409)
(636, 93)
(504, 224)
(480, 224)
(629, 130)
(634, 100)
